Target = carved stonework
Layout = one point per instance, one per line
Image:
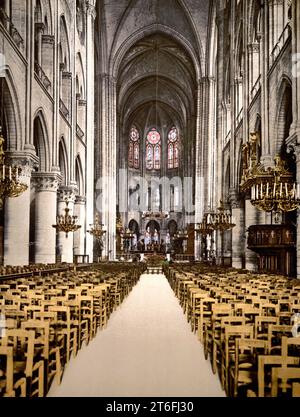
(91, 10)
(67, 194)
(46, 182)
(80, 200)
(48, 39)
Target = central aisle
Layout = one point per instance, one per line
(147, 350)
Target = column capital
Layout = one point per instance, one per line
(27, 161)
(46, 181)
(234, 198)
(91, 10)
(80, 200)
(67, 194)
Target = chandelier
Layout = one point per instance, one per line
(272, 189)
(205, 228)
(97, 229)
(66, 223)
(220, 220)
(155, 215)
(181, 235)
(10, 186)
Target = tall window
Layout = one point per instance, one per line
(134, 148)
(173, 149)
(153, 150)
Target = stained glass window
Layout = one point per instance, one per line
(173, 149)
(153, 150)
(134, 148)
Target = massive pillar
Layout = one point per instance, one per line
(90, 123)
(65, 241)
(107, 200)
(45, 209)
(17, 221)
(250, 219)
(79, 236)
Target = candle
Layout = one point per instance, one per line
(261, 190)
(286, 190)
(274, 190)
(281, 189)
(10, 173)
(267, 190)
(294, 190)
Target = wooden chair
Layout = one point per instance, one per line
(22, 342)
(9, 388)
(286, 375)
(264, 375)
(232, 332)
(243, 373)
(46, 350)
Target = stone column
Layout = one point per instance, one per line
(45, 209)
(16, 225)
(107, 201)
(90, 125)
(250, 219)
(79, 236)
(65, 242)
(238, 236)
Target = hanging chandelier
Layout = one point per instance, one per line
(181, 235)
(205, 228)
(277, 191)
(97, 229)
(66, 223)
(10, 186)
(155, 215)
(272, 189)
(220, 220)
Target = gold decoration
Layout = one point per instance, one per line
(97, 229)
(10, 186)
(66, 223)
(272, 189)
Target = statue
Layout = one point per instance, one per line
(156, 236)
(147, 237)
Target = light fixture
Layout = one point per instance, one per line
(273, 189)
(221, 220)
(181, 235)
(155, 215)
(66, 223)
(10, 186)
(97, 229)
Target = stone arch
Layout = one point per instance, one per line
(134, 227)
(64, 44)
(12, 113)
(172, 227)
(79, 176)
(80, 75)
(117, 58)
(41, 141)
(284, 116)
(63, 161)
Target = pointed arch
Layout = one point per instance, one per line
(41, 141)
(12, 113)
(284, 116)
(63, 161)
(79, 176)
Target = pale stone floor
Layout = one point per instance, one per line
(147, 350)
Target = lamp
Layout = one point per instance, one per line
(10, 186)
(272, 189)
(66, 223)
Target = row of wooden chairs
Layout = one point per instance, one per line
(246, 323)
(44, 321)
